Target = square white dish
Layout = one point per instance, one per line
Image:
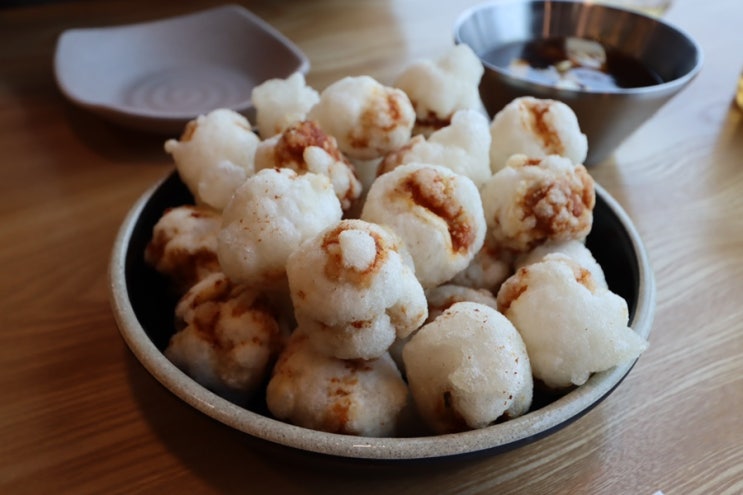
(155, 76)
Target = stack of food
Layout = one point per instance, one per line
(373, 256)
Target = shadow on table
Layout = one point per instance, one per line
(114, 142)
(230, 460)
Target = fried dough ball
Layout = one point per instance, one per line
(183, 246)
(572, 327)
(445, 296)
(436, 212)
(440, 299)
(354, 290)
(229, 337)
(279, 103)
(538, 128)
(214, 155)
(439, 88)
(304, 147)
(535, 200)
(268, 217)
(488, 269)
(351, 397)
(467, 369)
(367, 118)
(575, 249)
(462, 146)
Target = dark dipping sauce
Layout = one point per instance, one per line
(547, 61)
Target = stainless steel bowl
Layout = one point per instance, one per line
(607, 117)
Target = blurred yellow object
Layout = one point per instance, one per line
(739, 93)
(655, 8)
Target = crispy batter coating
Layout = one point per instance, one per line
(367, 118)
(354, 291)
(462, 146)
(538, 128)
(445, 296)
(352, 397)
(575, 249)
(268, 217)
(439, 88)
(280, 103)
(304, 147)
(229, 337)
(571, 325)
(214, 155)
(436, 212)
(440, 299)
(183, 246)
(467, 369)
(489, 268)
(535, 200)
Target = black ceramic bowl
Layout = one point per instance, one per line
(143, 308)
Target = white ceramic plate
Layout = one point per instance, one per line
(144, 313)
(158, 75)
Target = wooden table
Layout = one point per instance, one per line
(79, 414)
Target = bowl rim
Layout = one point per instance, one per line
(667, 86)
(499, 437)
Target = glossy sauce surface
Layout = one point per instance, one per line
(572, 63)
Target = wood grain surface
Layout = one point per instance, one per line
(79, 414)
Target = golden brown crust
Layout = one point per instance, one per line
(537, 121)
(431, 121)
(518, 283)
(428, 189)
(336, 270)
(208, 306)
(384, 114)
(183, 266)
(396, 158)
(512, 289)
(546, 202)
(289, 149)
